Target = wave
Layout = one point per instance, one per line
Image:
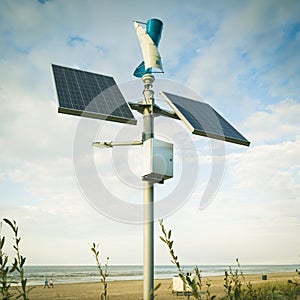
(36, 275)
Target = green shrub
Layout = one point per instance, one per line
(194, 284)
(19, 262)
(103, 272)
(5, 270)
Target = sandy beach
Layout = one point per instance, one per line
(133, 290)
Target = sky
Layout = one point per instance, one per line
(241, 57)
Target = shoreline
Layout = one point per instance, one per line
(36, 275)
(133, 289)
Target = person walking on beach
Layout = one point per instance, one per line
(46, 283)
(51, 283)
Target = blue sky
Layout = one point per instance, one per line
(242, 57)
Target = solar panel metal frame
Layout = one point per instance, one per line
(203, 120)
(90, 95)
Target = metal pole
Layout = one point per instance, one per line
(148, 242)
(148, 132)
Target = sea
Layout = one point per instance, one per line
(36, 275)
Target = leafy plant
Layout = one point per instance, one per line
(292, 290)
(5, 270)
(102, 271)
(194, 283)
(236, 287)
(233, 284)
(208, 294)
(19, 261)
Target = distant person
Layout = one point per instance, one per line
(51, 283)
(46, 283)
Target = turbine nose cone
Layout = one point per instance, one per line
(154, 29)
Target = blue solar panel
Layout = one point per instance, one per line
(90, 95)
(203, 120)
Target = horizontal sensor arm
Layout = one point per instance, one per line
(115, 144)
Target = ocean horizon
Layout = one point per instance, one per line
(37, 275)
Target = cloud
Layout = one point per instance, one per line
(248, 57)
(269, 170)
(278, 122)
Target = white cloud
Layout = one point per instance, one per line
(269, 170)
(249, 57)
(278, 122)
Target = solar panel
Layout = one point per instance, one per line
(203, 120)
(90, 95)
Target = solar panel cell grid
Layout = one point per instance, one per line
(203, 120)
(90, 95)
